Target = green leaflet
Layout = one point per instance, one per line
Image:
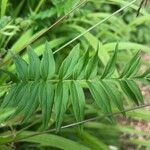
(113, 94)
(135, 89)
(61, 100)
(47, 67)
(21, 67)
(46, 99)
(34, 63)
(68, 5)
(10, 97)
(22, 89)
(145, 74)
(5, 113)
(110, 67)
(148, 77)
(12, 76)
(77, 99)
(91, 68)
(100, 96)
(32, 104)
(93, 41)
(132, 66)
(132, 91)
(20, 100)
(79, 71)
(66, 69)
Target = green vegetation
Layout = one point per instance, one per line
(71, 72)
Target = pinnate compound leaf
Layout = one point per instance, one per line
(46, 99)
(34, 87)
(77, 100)
(47, 67)
(34, 63)
(67, 67)
(61, 100)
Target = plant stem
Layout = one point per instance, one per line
(82, 122)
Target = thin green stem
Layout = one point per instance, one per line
(82, 122)
(82, 81)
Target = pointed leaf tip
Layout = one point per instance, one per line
(47, 67)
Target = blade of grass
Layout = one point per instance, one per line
(39, 5)
(3, 7)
